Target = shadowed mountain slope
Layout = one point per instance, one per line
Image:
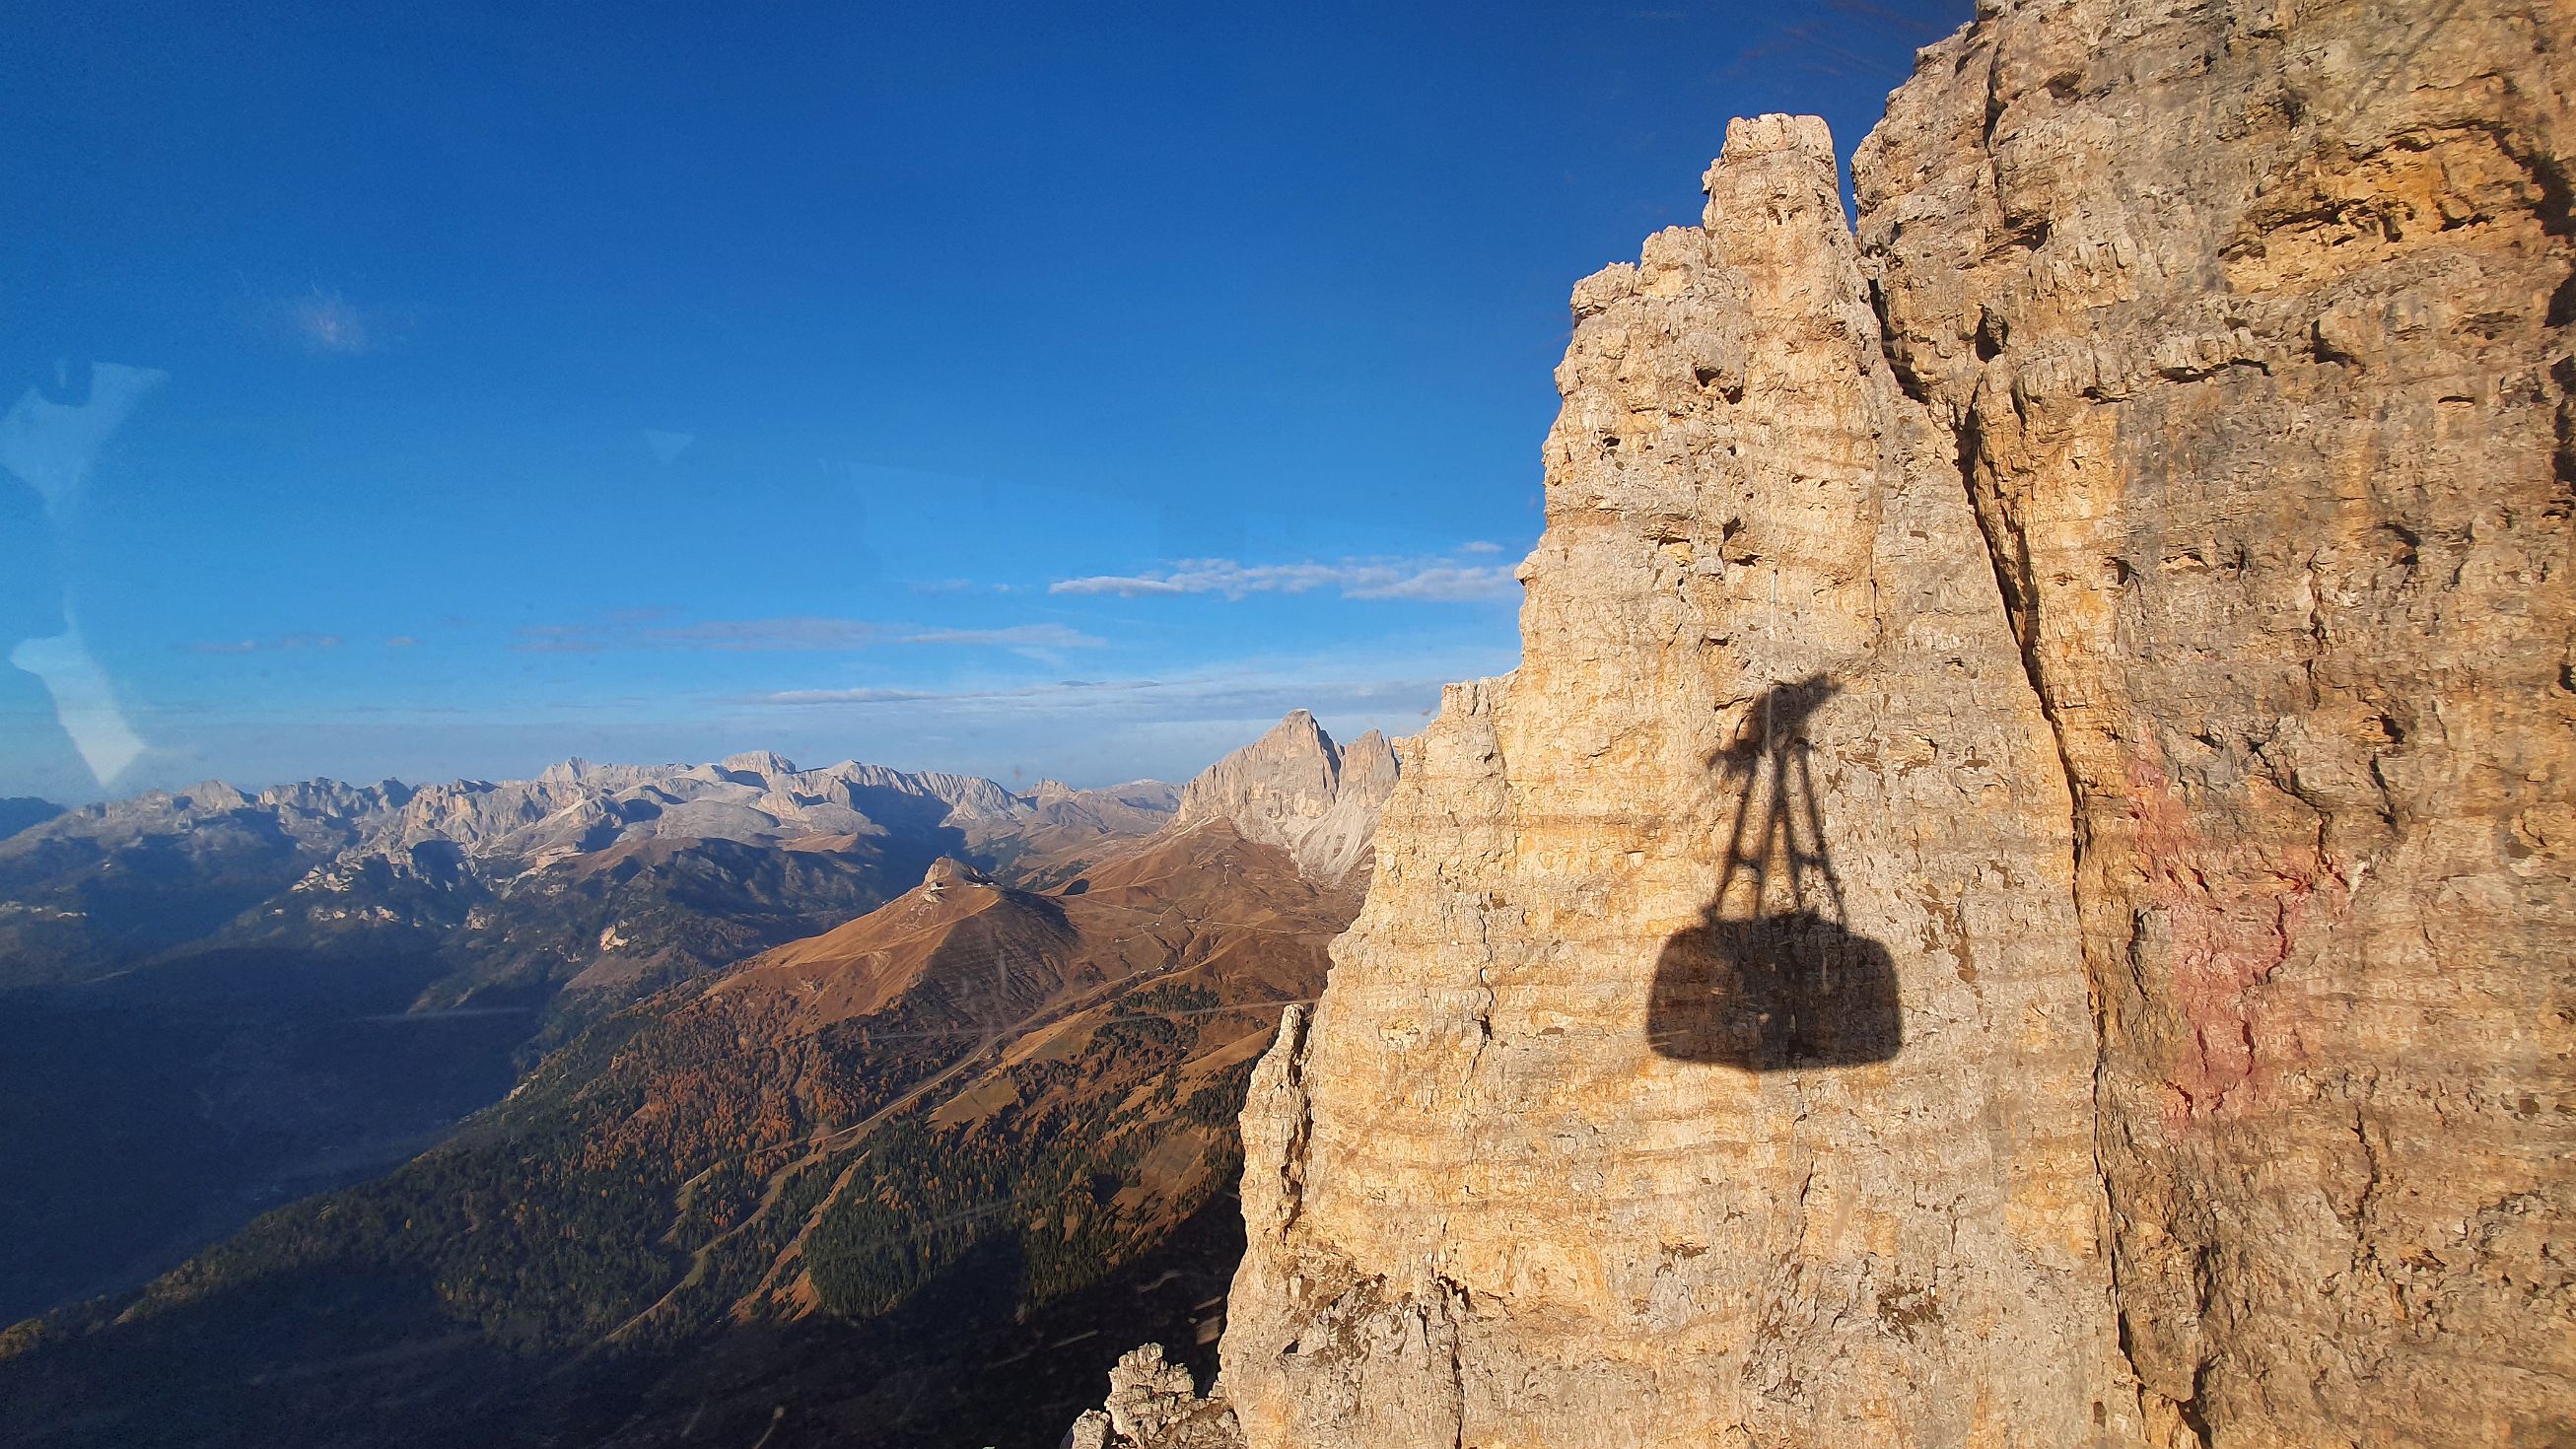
(20, 812)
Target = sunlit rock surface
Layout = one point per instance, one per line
(1154, 1403)
(1713, 1047)
(2019, 895)
(2252, 325)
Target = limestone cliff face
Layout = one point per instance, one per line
(1296, 789)
(1713, 1047)
(2252, 325)
(2020, 894)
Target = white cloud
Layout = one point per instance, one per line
(855, 696)
(289, 641)
(1433, 579)
(1125, 586)
(1446, 583)
(326, 322)
(792, 633)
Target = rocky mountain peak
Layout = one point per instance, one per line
(1296, 789)
(206, 795)
(949, 871)
(759, 762)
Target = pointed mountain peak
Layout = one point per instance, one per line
(1297, 736)
(1297, 724)
(1290, 788)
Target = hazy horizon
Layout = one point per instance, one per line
(1020, 777)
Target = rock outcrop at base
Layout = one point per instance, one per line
(2019, 894)
(1154, 1405)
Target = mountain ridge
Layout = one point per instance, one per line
(291, 849)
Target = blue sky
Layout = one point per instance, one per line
(443, 390)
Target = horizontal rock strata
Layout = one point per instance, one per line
(1713, 1048)
(2252, 325)
(2019, 895)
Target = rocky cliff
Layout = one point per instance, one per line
(2252, 326)
(2019, 893)
(1713, 1048)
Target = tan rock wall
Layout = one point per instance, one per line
(2021, 892)
(1713, 1052)
(2252, 322)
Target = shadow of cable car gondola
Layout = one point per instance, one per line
(1778, 986)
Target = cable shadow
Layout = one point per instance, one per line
(1775, 985)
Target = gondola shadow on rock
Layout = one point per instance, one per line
(1778, 992)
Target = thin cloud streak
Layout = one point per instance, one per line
(805, 634)
(1211, 696)
(253, 646)
(1019, 636)
(1439, 580)
(794, 633)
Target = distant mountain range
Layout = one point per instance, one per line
(247, 997)
(913, 1179)
(105, 887)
